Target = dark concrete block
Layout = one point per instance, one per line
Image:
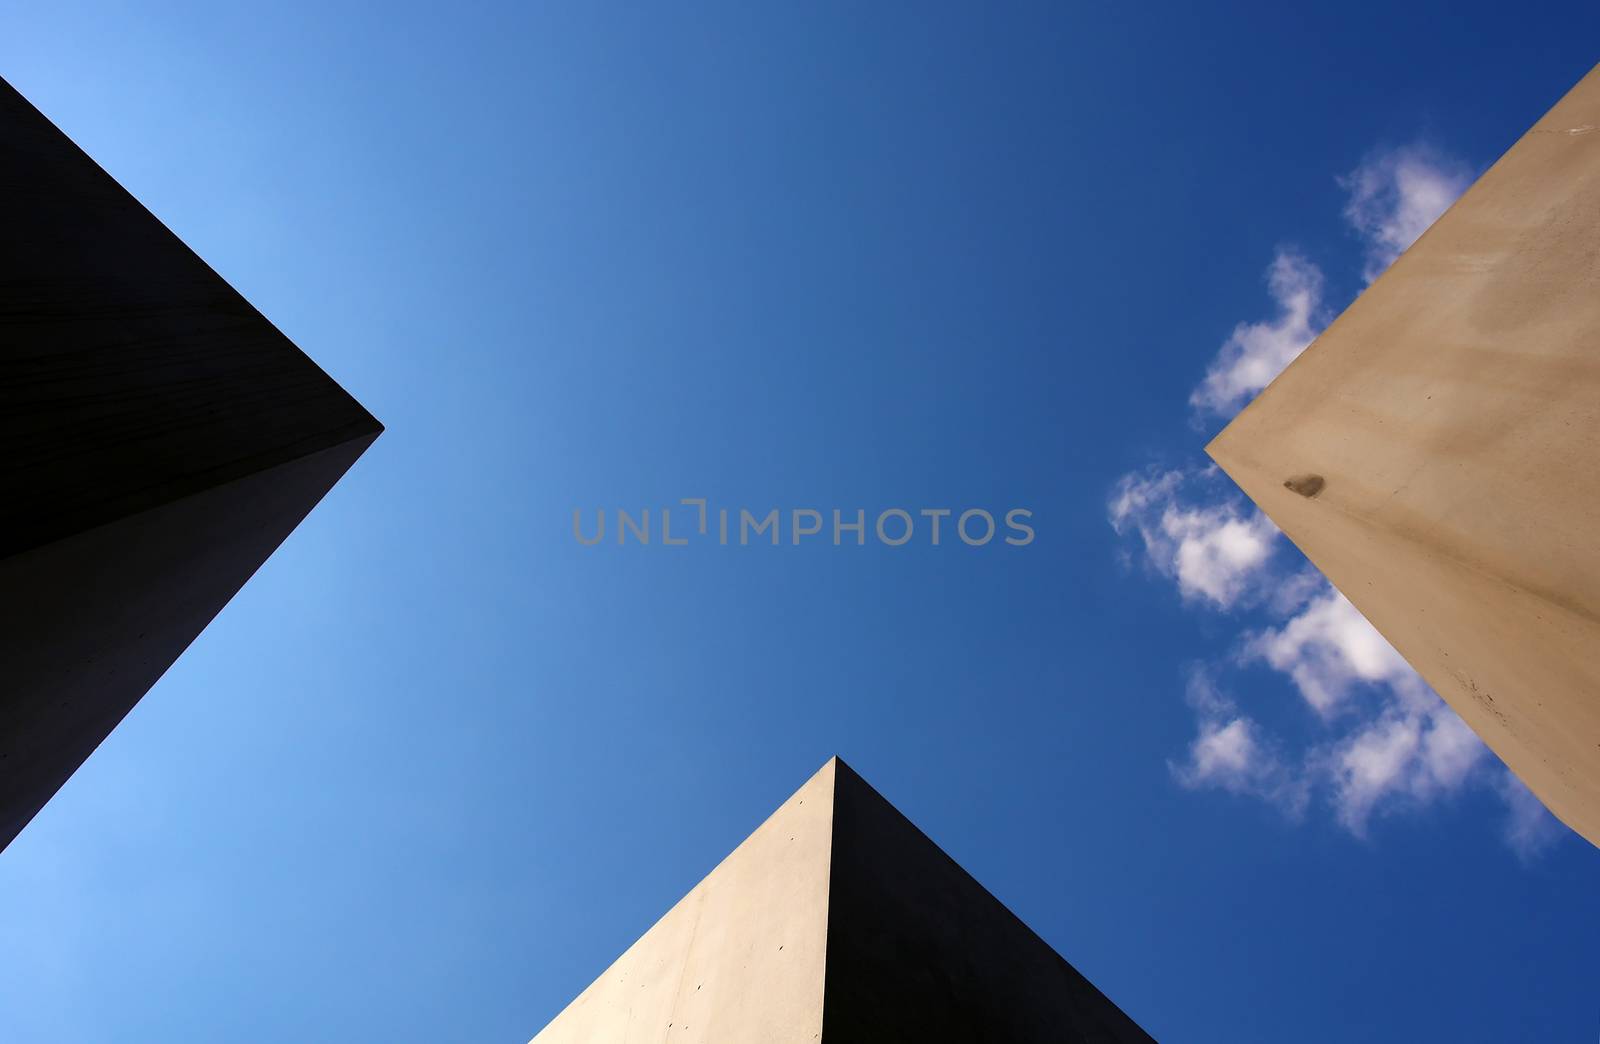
(161, 439)
(919, 952)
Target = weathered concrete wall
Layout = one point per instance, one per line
(160, 440)
(738, 959)
(920, 953)
(1453, 414)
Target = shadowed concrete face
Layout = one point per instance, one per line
(919, 951)
(161, 437)
(1436, 453)
(839, 921)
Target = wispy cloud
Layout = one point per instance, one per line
(1214, 551)
(1529, 828)
(1414, 752)
(1257, 352)
(1386, 743)
(1327, 648)
(1232, 752)
(1395, 194)
(1382, 743)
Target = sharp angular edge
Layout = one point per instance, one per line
(919, 952)
(839, 921)
(1450, 419)
(131, 374)
(162, 439)
(89, 623)
(740, 958)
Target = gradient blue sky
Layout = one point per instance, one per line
(437, 765)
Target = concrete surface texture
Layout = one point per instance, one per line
(1436, 453)
(162, 438)
(740, 958)
(839, 921)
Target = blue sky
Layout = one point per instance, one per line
(438, 764)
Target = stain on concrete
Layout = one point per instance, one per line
(1306, 485)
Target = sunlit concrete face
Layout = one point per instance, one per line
(161, 438)
(740, 958)
(839, 921)
(1436, 453)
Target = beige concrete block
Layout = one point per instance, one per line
(1436, 453)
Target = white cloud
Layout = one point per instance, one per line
(1232, 752)
(1369, 764)
(1402, 746)
(1226, 752)
(1405, 759)
(1407, 753)
(1257, 352)
(1529, 828)
(1214, 550)
(1388, 744)
(1450, 750)
(1326, 649)
(1395, 194)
